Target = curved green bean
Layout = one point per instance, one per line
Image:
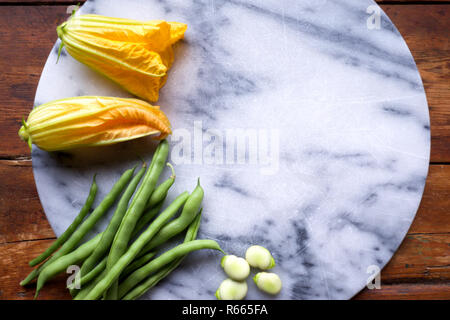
(108, 235)
(151, 177)
(161, 191)
(163, 260)
(87, 225)
(101, 269)
(134, 212)
(146, 217)
(113, 274)
(89, 276)
(85, 290)
(76, 222)
(136, 264)
(155, 202)
(62, 263)
(192, 231)
(177, 225)
(152, 281)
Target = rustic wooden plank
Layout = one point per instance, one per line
(421, 257)
(31, 31)
(22, 217)
(27, 35)
(15, 256)
(21, 214)
(420, 269)
(426, 30)
(14, 259)
(434, 212)
(406, 291)
(14, 267)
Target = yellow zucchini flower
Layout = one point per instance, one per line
(92, 121)
(135, 54)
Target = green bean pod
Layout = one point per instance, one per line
(89, 276)
(62, 263)
(134, 212)
(86, 226)
(136, 264)
(150, 282)
(163, 260)
(155, 202)
(161, 191)
(192, 231)
(113, 274)
(146, 218)
(108, 235)
(141, 223)
(177, 225)
(92, 278)
(85, 290)
(73, 226)
(154, 171)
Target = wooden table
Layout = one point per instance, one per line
(419, 270)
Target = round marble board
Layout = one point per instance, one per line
(306, 122)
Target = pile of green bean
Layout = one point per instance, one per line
(122, 262)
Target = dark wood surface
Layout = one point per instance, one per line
(420, 269)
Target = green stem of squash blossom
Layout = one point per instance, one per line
(23, 133)
(59, 31)
(77, 7)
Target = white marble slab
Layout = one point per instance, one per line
(333, 191)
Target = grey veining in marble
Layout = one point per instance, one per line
(336, 143)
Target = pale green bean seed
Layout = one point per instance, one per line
(268, 282)
(235, 267)
(232, 290)
(259, 257)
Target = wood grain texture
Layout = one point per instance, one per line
(434, 212)
(426, 30)
(21, 214)
(422, 259)
(419, 270)
(27, 36)
(423, 256)
(14, 268)
(407, 292)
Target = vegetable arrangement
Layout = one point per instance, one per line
(238, 269)
(123, 261)
(92, 121)
(135, 54)
(120, 250)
